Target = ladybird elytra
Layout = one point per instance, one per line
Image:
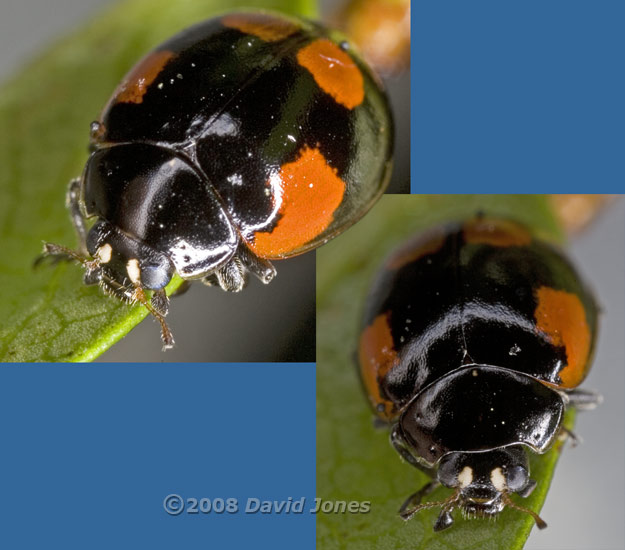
(135, 84)
(474, 339)
(561, 315)
(246, 138)
(377, 356)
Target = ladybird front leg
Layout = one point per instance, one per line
(231, 277)
(210, 280)
(72, 201)
(261, 268)
(160, 301)
(411, 504)
(444, 520)
(399, 444)
(584, 400)
(566, 434)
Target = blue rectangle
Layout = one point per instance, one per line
(518, 96)
(89, 454)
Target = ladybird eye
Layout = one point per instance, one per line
(449, 470)
(516, 478)
(155, 276)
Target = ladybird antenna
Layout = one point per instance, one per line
(509, 502)
(50, 249)
(136, 294)
(447, 504)
(166, 336)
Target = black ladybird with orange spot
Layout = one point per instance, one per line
(474, 340)
(244, 139)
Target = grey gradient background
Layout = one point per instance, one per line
(263, 323)
(585, 507)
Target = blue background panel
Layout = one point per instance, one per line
(518, 96)
(90, 452)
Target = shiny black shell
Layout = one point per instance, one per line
(472, 334)
(243, 129)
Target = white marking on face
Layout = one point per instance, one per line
(498, 480)
(104, 253)
(465, 477)
(134, 273)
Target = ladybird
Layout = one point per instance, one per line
(475, 338)
(247, 138)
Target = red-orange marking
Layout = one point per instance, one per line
(376, 357)
(423, 245)
(311, 192)
(136, 82)
(266, 27)
(561, 316)
(334, 71)
(496, 233)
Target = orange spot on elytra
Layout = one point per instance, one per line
(562, 317)
(496, 233)
(136, 82)
(376, 357)
(334, 71)
(310, 192)
(264, 26)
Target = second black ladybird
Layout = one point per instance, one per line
(244, 139)
(474, 340)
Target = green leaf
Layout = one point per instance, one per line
(47, 314)
(354, 460)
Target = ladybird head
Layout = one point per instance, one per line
(122, 264)
(125, 268)
(482, 482)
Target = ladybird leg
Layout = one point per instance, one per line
(409, 507)
(210, 280)
(58, 252)
(160, 302)
(166, 336)
(93, 273)
(231, 277)
(72, 201)
(400, 445)
(260, 267)
(584, 400)
(444, 520)
(565, 434)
